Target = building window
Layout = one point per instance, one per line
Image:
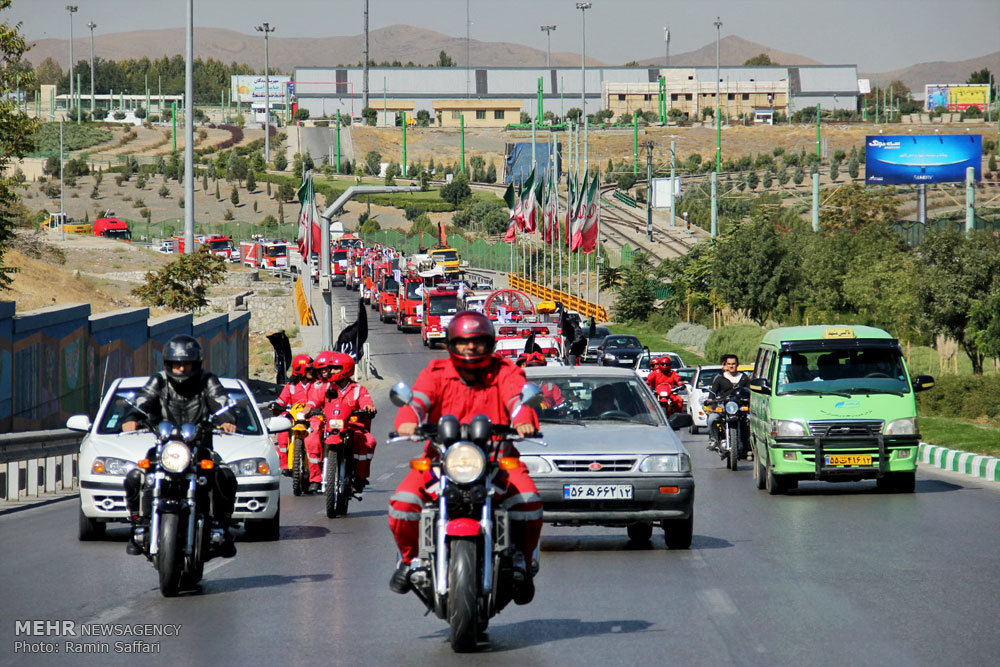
(481, 114)
(691, 78)
(746, 96)
(674, 97)
(621, 98)
(730, 96)
(456, 114)
(688, 97)
(646, 98)
(498, 115)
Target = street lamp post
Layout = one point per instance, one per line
(583, 7)
(72, 10)
(266, 29)
(93, 25)
(718, 121)
(189, 204)
(547, 29)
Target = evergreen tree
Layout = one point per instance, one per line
(235, 197)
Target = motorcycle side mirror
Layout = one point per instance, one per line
(401, 394)
(760, 385)
(188, 432)
(480, 429)
(449, 429)
(164, 429)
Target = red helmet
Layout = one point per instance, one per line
(471, 324)
(536, 359)
(300, 364)
(332, 360)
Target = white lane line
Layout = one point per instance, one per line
(717, 601)
(110, 615)
(402, 465)
(383, 477)
(212, 567)
(693, 558)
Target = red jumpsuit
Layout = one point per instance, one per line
(292, 393)
(348, 398)
(440, 390)
(672, 379)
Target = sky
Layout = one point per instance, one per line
(877, 35)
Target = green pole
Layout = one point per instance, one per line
(222, 104)
(817, 131)
(970, 199)
(173, 121)
(718, 139)
(159, 91)
(338, 141)
(538, 114)
(77, 101)
(635, 145)
(461, 126)
(663, 100)
(403, 113)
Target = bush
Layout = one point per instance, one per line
(164, 191)
(686, 334)
(301, 114)
(228, 215)
(739, 339)
(456, 191)
(280, 162)
(964, 396)
(269, 221)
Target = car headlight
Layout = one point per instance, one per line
(536, 464)
(245, 467)
(787, 428)
(664, 463)
(907, 426)
(175, 457)
(109, 465)
(732, 407)
(610, 356)
(464, 463)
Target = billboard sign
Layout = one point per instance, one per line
(956, 96)
(250, 88)
(909, 159)
(661, 191)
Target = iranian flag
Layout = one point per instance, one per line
(308, 220)
(513, 203)
(565, 233)
(530, 204)
(550, 213)
(579, 214)
(588, 232)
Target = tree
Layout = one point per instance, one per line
(370, 115)
(164, 191)
(286, 192)
(959, 275)
(611, 277)
(834, 170)
(759, 60)
(423, 118)
(218, 197)
(238, 167)
(301, 114)
(280, 162)
(422, 224)
(373, 163)
(456, 191)
(235, 196)
(853, 167)
(48, 71)
(637, 292)
(370, 226)
(853, 207)
(797, 175)
(183, 283)
(251, 181)
(444, 60)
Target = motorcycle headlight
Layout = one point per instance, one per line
(175, 457)
(787, 428)
(109, 465)
(906, 426)
(732, 407)
(464, 463)
(245, 467)
(536, 464)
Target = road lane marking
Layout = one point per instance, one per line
(717, 601)
(383, 477)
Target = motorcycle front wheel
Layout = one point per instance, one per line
(299, 468)
(462, 606)
(333, 483)
(345, 481)
(196, 567)
(170, 555)
(733, 439)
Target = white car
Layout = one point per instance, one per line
(107, 455)
(643, 369)
(698, 392)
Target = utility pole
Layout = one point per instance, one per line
(648, 145)
(666, 38)
(583, 7)
(93, 25)
(468, 48)
(718, 120)
(547, 29)
(267, 29)
(72, 10)
(189, 134)
(365, 94)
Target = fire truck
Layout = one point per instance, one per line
(112, 228)
(268, 254)
(410, 308)
(439, 306)
(388, 298)
(221, 246)
(338, 266)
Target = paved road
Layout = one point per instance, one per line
(826, 575)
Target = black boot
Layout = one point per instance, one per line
(359, 484)
(400, 580)
(524, 584)
(132, 547)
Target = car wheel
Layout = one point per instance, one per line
(640, 533)
(777, 484)
(693, 429)
(759, 472)
(677, 533)
(90, 529)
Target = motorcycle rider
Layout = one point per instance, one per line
(661, 374)
(471, 381)
(344, 396)
(183, 393)
(296, 391)
(723, 385)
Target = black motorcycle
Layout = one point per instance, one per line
(176, 497)
(733, 425)
(464, 571)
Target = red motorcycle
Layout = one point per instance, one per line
(342, 432)
(670, 398)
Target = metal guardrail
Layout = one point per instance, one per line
(35, 462)
(585, 308)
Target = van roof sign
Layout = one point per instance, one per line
(838, 332)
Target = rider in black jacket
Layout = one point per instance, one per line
(183, 393)
(723, 385)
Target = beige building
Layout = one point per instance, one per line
(388, 109)
(690, 96)
(477, 113)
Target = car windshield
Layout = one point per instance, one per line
(246, 419)
(620, 342)
(442, 305)
(220, 245)
(118, 234)
(446, 256)
(411, 290)
(687, 374)
(855, 371)
(277, 251)
(706, 376)
(596, 399)
(390, 285)
(599, 334)
(339, 255)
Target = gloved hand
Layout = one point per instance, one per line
(276, 408)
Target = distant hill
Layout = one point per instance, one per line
(733, 50)
(916, 76)
(397, 42)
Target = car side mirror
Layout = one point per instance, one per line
(79, 423)
(760, 385)
(680, 420)
(922, 382)
(278, 424)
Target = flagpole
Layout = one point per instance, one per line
(597, 246)
(309, 234)
(586, 170)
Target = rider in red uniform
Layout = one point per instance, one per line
(294, 392)
(344, 396)
(663, 374)
(470, 382)
(315, 402)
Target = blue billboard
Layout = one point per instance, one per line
(908, 159)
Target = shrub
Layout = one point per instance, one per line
(164, 191)
(686, 334)
(301, 114)
(139, 203)
(228, 215)
(457, 190)
(739, 339)
(269, 221)
(964, 396)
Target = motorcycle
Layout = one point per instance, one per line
(338, 463)
(297, 460)
(182, 535)
(669, 396)
(464, 570)
(734, 425)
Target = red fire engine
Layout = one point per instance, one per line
(266, 254)
(439, 305)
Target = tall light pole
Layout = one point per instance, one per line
(267, 29)
(547, 29)
(93, 25)
(583, 7)
(189, 134)
(468, 48)
(718, 36)
(72, 10)
(666, 38)
(365, 83)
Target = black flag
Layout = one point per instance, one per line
(282, 354)
(352, 339)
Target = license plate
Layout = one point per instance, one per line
(336, 423)
(597, 491)
(849, 460)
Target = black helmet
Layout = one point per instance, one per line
(182, 348)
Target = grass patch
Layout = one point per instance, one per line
(656, 341)
(75, 137)
(961, 434)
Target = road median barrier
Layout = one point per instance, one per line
(967, 463)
